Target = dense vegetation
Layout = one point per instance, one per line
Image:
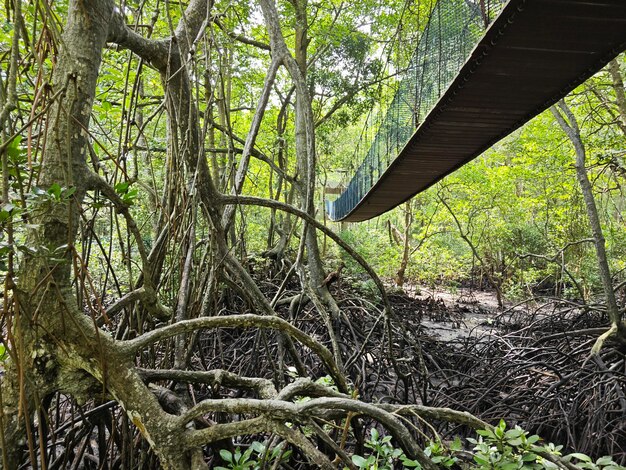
(174, 297)
(528, 202)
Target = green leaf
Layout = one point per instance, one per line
(61, 249)
(532, 439)
(606, 460)
(276, 451)
(581, 457)
(439, 458)
(13, 150)
(130, 196)
(259, 448)
(486, 433)
(359, 461)
(122, 188)
(589, 465)
(226, 455)
(55, 190)
(247, 454)
(529, 457)
(407, 462)
(513, 433)
(499, 430)
(456, 445)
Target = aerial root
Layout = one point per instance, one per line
(523, 370)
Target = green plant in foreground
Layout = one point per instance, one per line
(511, 449)
(254, 457)
(584, 461)
(383, 453)
(126, 193)
(498, 448)
(442, 455)
(236, 460)
(385, 456)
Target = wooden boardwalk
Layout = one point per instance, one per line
(533, 54)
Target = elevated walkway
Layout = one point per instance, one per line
(532, 55)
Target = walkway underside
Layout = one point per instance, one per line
(534, 54)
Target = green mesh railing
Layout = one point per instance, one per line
(453, 29)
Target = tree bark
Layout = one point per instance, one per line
(306, 159)
(566, 119)
(406, 246)
(39, 313)
(47, 332)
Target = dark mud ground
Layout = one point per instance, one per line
(528, 363)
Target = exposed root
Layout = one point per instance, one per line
(524, 368)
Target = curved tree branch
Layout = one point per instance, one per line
(257, 201)
(131, 347)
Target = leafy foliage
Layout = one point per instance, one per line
(493, 449)
(255, 457)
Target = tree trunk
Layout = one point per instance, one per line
(406, 246)
(306, 159)
(566, 119)
(39, 313)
